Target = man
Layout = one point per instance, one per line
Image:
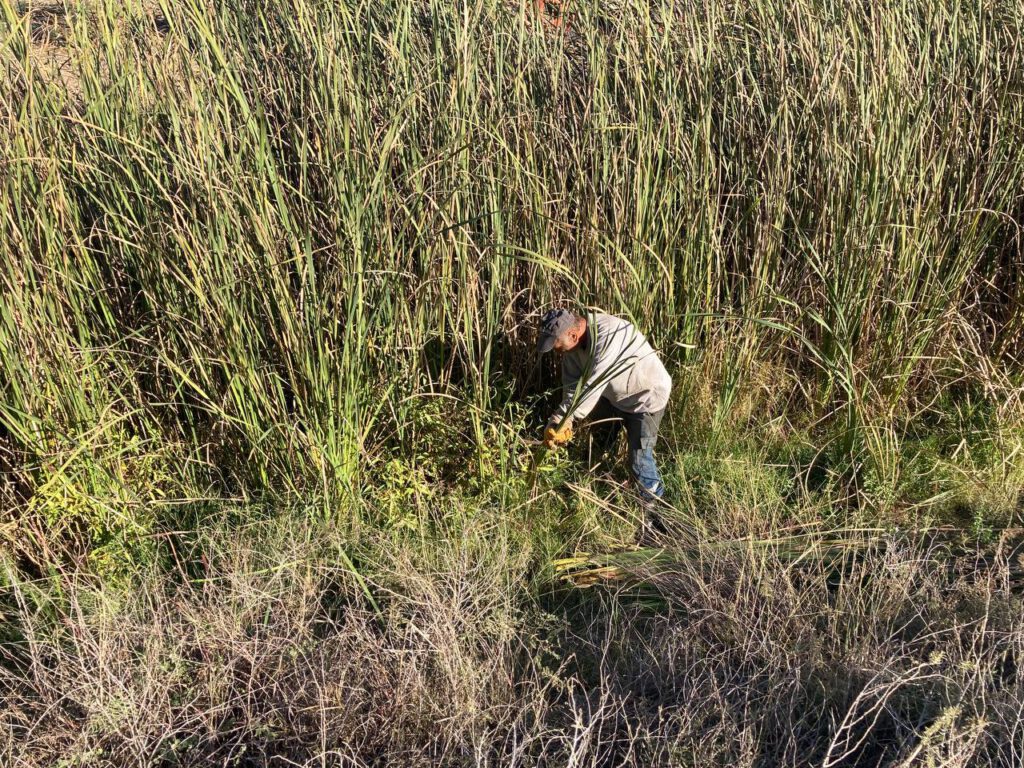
(608, 368)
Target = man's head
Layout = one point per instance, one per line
(560, 330)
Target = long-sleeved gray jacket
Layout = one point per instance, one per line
(615, 361)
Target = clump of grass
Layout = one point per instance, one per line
(256, 237)
(834, 648)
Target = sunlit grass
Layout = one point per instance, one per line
(269, 285)
(248, 241)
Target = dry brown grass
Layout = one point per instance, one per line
(881, 654)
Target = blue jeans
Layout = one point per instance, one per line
(642, 434)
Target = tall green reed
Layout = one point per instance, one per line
(246, 242)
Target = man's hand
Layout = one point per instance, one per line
(555, 437)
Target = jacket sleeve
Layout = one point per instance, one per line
(582, 389)
(570, 379)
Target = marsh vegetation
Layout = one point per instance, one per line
(269, 278)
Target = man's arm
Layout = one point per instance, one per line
(570, 379)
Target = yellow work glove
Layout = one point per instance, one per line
(556, 437)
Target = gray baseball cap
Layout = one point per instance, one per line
(554, 323)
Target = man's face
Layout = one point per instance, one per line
(569, 339)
